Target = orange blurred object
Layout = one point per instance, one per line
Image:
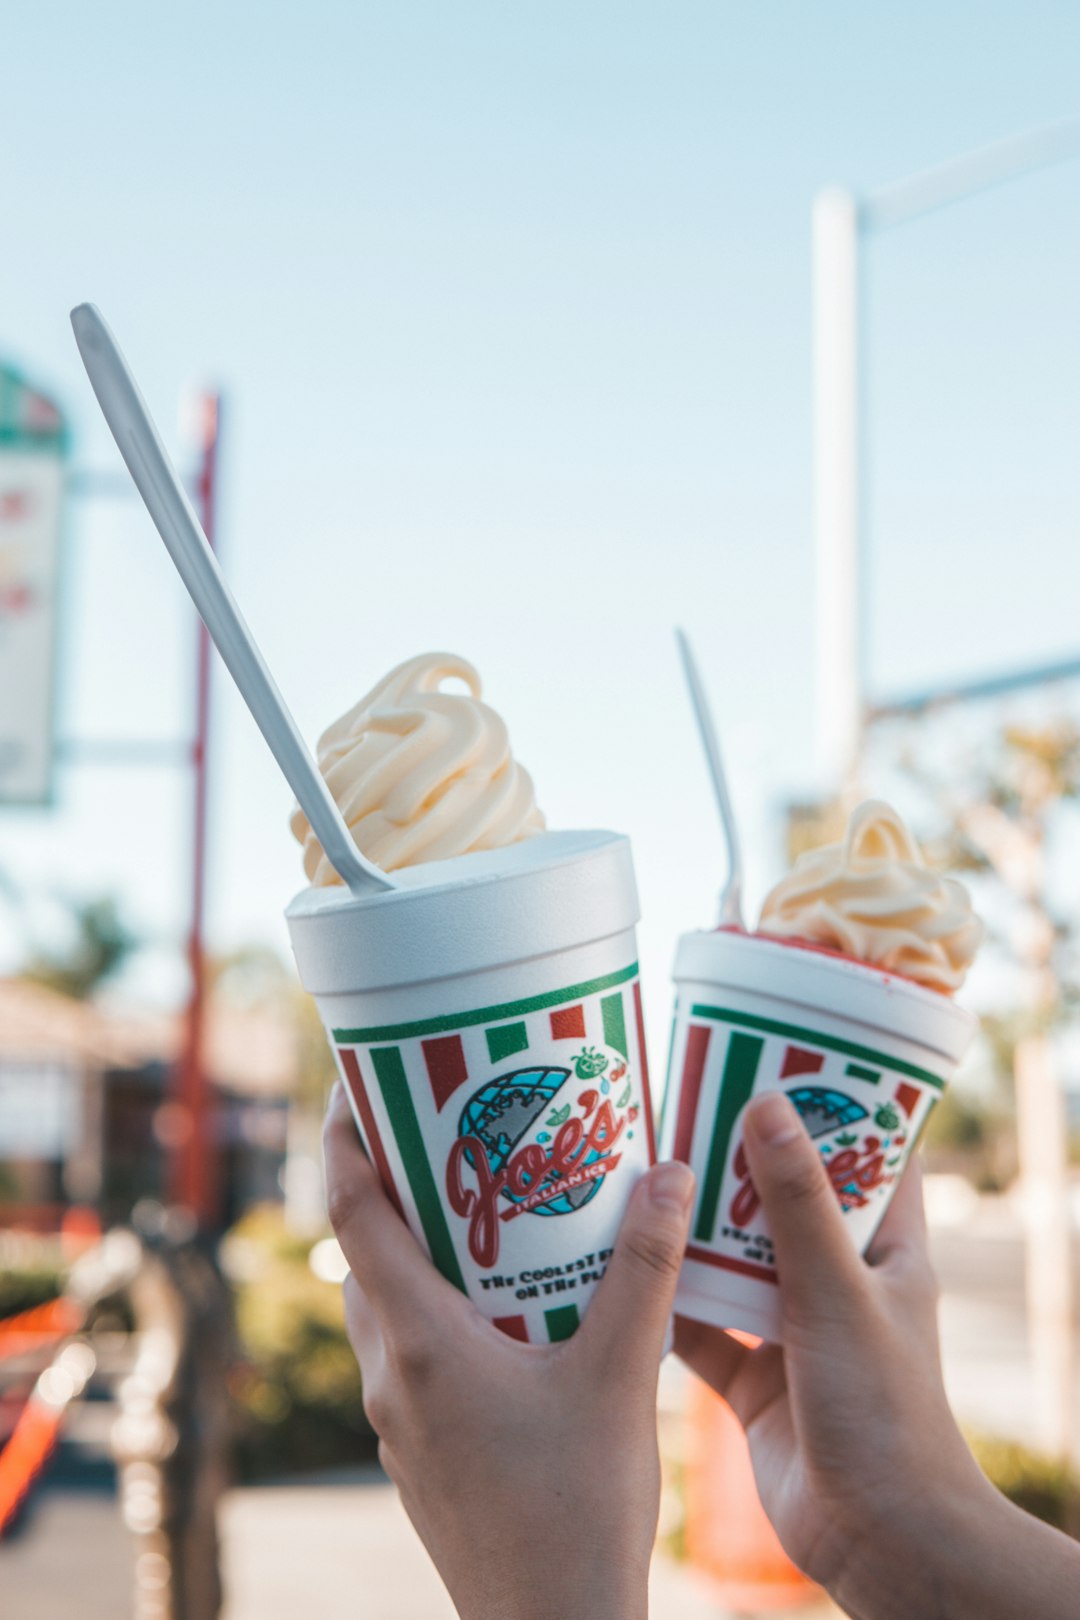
(80, 1229)
(39, 1327)
(26, 1454)
(728, 1536)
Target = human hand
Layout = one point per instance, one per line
(530, 1472)
(858, 1459)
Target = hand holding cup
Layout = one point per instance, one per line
(530, 1471)
(858, 1459)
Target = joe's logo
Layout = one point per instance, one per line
(540, 1142)
(854, 1175)
(855, 1168)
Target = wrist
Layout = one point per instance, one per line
(601, 1591)
(931, 1555)
(623, 1604)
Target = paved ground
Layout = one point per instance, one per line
(70, 1561)
(369, 1561)
(356, 1535)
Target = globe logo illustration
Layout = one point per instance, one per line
(824, 1110)
(509, 1112)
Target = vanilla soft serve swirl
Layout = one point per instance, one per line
(420, 774)
(874, 898)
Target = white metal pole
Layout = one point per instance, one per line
(838, 694)
(1044, 1182)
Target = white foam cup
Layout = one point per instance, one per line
(486, 1021)
(863, 1055)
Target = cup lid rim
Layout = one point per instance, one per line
(543, 852)
(834, 983)
(487, 911)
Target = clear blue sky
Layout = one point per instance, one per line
(511, 305)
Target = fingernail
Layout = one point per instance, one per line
(773, 1120)
(671, 1186)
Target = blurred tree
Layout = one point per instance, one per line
(970, 1136)
(999, 811)
(99, 942)
(997, 815)
(298, 1399)
(256, 976)
(253, 977)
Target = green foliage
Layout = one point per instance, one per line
(255, 977)
(1040, 1485)
(1004, 809)
(298, 1394)
(23, 1287)
(671, 1530)
(974, 1138)
(958, 1123)
(101, 941)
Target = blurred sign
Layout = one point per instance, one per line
(33, 442)
(39, 1111)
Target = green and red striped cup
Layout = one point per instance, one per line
(864, 1056)
(486, 1021)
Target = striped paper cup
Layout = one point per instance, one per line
(862, 1054)
(486, 1021)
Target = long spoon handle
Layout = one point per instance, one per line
(731, 894)
(139, 443)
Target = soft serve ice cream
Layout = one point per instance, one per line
(872, 897)
(420, 774)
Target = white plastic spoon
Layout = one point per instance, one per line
(731, 894)
(132, 426)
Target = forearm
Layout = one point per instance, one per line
(976, 1557)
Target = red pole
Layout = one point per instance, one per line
(194, 1168)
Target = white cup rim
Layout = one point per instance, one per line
(787, 973)
(539, 898)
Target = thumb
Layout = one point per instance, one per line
(638, 1289)
(821, 1275)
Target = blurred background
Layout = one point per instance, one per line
(527, 333)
